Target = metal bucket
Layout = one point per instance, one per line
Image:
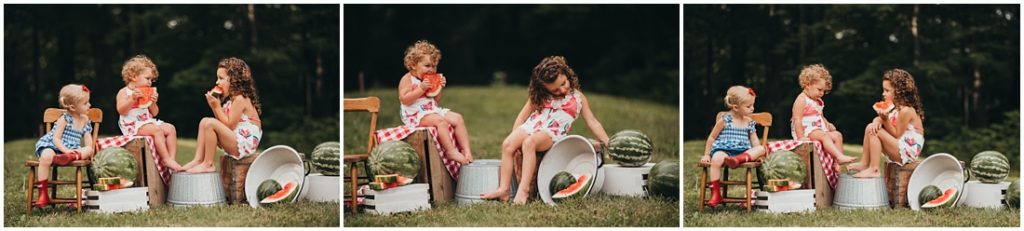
(478, 177)
(625, 181)
(281, 163)
(573, 154)
(188, 189)
(942, 170)
(860, 193)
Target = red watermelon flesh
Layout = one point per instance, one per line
(435, 79)
(883, 106)
(146, 99)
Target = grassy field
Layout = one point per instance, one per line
(489, 113)
(304, 214)
(733, 215)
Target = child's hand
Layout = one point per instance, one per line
(831, 127)
(155, 96)
(706, 159)
(426, 84)
(873, 128)
(212, 101)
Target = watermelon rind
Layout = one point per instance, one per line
(394, 157)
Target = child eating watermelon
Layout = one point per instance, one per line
(898, 130)
(235, 125)
(137, 107)
(419, 93)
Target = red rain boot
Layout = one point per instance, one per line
(44, 194)
(732, 162)
(65, 159)
(716, 193)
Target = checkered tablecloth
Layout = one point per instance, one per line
(119, 141)
(826, 160)
(400, 132)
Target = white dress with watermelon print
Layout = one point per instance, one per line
(413, 113)
(135, 118)
(247, 134)
(555, 116)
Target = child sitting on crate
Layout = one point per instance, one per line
(808, 121)
(236, 124)
(139, 73)
(63, 143)
(733, 140)
(897, 132)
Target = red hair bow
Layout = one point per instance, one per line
(751, 90)
(85, 89)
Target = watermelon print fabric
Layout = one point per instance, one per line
(555, 117)
(413, 113)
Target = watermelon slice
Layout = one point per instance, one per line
(436, 79)
(779, 185)
(146, 99)
(946, 200)
(217, 92)
(287, 194)
(883, 106)
(581, 187)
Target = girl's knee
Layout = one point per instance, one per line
(454, 118)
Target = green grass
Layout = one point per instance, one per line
(733, 215)
(17, 151)
(489, 113)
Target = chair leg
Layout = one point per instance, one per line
(78, 188)
(749, 179)
(31, 187)
(703, 188)
(723, 179)
(53, 187)
(354, 177)
(760, 178)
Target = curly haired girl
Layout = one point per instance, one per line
(235, 126)
(420, 110)
(897, 132)
(808, 121)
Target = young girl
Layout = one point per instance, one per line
(419, 110)
(235, 126)
(554, 102)
(898, 132)
(139, 72)
(64, 143)
(733, 140)
(808, 114)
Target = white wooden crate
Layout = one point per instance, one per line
(413, 197)
(785, 202)
(119, 200)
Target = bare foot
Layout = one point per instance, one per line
(856, 166)
(500, 194)
(868, 173)
(837, 167)
(189, 165)
(469, 155)
(521, 198)
(172, 165)
(458, 157)
(202, 168)
(844, 159)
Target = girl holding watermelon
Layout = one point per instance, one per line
(554, 102)
(63, 143)
(136, 105)
(808, 121)
(897, 131)
(419, 93)
(236, 124)
(733, 140)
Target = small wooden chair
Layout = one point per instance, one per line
(764, 119)
(371, 105)
(50, 116)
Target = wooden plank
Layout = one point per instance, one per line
(157, 190)
(442, 186)
(822, 190)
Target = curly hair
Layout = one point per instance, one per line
(738, 95)
(904, 89)
(241, 80)
(418, 50)
(547, 71)
(72, 94)
(135, 65)
(814, 73)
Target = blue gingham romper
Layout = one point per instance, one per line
(72, 138)
(733, 140)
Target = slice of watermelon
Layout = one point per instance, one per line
(435, 79)
(217, 92)
(946, 200)
(146, 99)
(575, 190)
(883, 106)
(287, 194)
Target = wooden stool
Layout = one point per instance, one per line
(517, 173)
(896, 179)
(232, 174)
(432, 168)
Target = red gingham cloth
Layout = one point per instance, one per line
(400, 132)
(826, 160)
(118, 141)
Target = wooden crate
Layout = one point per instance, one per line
(432, 169)
(896, 179)
(148, 176)
(232, 176)
(822, 190)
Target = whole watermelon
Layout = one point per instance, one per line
(990, 167)
(630, 148)
(560, 181)
(1013, 194)
(663, 180)
(394, 157)
(784, 165)
(325, 158)
(267, 188)
(116, 162)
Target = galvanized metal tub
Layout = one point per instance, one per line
(188, 189)
(860, 193)
(475, 178)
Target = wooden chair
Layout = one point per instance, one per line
(764, 119)
(50, 116)
(371, 105)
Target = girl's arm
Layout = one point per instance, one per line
(592, 122)
(58, 136)
(798, 112)
(124, 102)
(154, 109)
(719, 124)
(239, 105)
(754, 141)
(521, 118)
(407, 93)
(87, 149)
(902, 121)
